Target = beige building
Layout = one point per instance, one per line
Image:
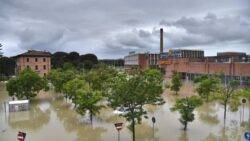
(39, 61)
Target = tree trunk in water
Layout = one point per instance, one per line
(249, 115)
(185, 126)
(225, 113)
(91, 117)
(133, 128)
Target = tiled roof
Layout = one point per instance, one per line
(35, 53)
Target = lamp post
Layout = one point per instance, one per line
(153, 121)
(118, 127)
(243, 102)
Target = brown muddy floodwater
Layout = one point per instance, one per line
(50, 118)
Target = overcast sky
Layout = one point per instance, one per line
(112, 28)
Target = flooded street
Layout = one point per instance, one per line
(51, 118)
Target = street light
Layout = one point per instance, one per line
(243, 102)
(118, 127)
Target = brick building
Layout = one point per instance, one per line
(140, 60)
(39, 61)
(189, 68)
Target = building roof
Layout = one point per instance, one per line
(231, 53)
(35, 53)
(18, 102)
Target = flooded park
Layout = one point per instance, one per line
(51, 118)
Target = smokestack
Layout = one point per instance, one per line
(161, 40)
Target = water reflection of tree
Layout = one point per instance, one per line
(106, 114)
(72, 122)
(207, 114)
(89, 133)
(144, 132)
(183, 137)
(232, 133)
(35, 118)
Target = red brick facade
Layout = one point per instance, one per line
(185, 66)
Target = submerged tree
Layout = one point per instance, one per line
(132, 92)
(88, 100)
(207, 86)
(185, 107)
(71, 87)
(99, 76)
(60, 77)
(26, 85)
(227, 94)
(176, 82)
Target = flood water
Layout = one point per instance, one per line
(50, 118)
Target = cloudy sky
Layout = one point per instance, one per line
(112, 28)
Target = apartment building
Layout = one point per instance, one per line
(39, 61)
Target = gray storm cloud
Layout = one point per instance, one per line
(112, 28)
(189, 31)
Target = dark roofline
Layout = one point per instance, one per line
(34, 53)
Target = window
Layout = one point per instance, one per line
(36, 67)
(28, 59)
(28, 66)
(44, 74)
(44, 59)
(44, 67)
(36, 59)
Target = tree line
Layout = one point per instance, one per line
(88, 88)
(209, 88)
(58, 60)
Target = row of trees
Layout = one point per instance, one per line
(1, 53)
(86, 61)
(58, 60)
(128, 91)
(87, 89)
(7, 65)
(209, 88)
(131, 92)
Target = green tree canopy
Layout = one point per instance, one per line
(72, 86)
(185, 107)
(207, 86)
(99, 76)
(176, 82)
(227, 94)
(88, 100)
(132, 92)
(58, 59)
(26, 85)
(60, 77)
(88, 61)
(7, 66)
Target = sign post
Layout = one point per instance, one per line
(118, 127)
(21, 136)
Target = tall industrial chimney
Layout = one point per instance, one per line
(161, 40)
